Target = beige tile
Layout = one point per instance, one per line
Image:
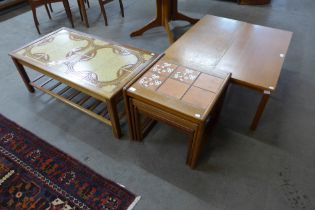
(173, 88)
(199, 97)
(208, 82)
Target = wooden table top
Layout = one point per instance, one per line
(185, 90)
(86, 62)
(253, 54)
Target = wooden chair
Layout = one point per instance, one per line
(102, 5)
(85, 1)
(37, 3)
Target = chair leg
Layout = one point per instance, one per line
(68, 11)
(50, 7)
(122, 8)
(102, 5)
(35, 18)
(87, 2)
(47, 10)
(80, 10)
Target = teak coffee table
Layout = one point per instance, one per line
(253, 54)
(81, 70)
(182, 97)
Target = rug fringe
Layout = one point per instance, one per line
(134, 203)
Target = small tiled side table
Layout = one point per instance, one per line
(181, 97)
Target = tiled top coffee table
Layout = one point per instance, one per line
(93, 67)
(180, 96)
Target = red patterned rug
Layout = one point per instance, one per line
(36, 176)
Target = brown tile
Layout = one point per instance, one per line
(185, 75)
(173, 88)
(151, 81)
(199, 97)
(163, 68)
(208, 82)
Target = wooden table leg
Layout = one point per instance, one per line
(130, 117)
(166, 10)
(195, 147)
(154, 23)
(165, 21)
(175, 15)
(83, 12)
(114, 118)
(24, 75)
(137, 124)
(260, 109)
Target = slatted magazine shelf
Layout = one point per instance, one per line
(83, 102)
(87, 67)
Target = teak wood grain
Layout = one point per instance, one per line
(253, 54)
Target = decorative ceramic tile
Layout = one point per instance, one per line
(199, 97)
(151, 80)
(208, 82)
(163, 68)
(185, 75)
(173, 88)
(188, 86)
(71, 54)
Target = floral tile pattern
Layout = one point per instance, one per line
(100, 64)
(151, 80)
(185, 75)
(163, 68)
(187, 85)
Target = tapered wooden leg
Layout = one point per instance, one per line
(260, 109)
(165, 21)
(175, 15)
(169, 33)
(137, 124)
(194, 151)
(50, 7)
(129, 112)
(35, 18)
(152, 24)
(88, 3)
(121, 8)
(113, 114)
(68, 11)
(47, 10)
(103, 11)
(24, 75)
(189, 148)
(80, 10)
(134, 121)
(83, 11)
(180, 16)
